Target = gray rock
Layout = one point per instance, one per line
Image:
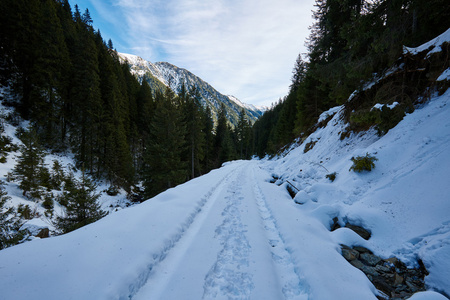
(370, 271)
(382, 268)
(357, 264)
(370, 259)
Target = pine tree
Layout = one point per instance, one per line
(243, 135)
(57, 175)
(30, 164)
(195, 135)
(81, 203)
(164, 167)
(224, 145)
(208, 125)
(9, 223)
(50, 65)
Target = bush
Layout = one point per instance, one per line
(331, 176)
(48, 202)
(363, 163)
(309, 146)
(25, 212)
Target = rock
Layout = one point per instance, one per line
(381, 285)
(362, 249)
(357, 264)
(412, 286)
(398, 279)
(301, 197)
(349, 254)
(370, 259)
(364, 233)
(382, 268)
(335, 224)
(43, 233)
(392, 260)
(390, 276)
(370, 271)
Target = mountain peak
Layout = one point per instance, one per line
(162, 74)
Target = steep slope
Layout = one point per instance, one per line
(174, 77)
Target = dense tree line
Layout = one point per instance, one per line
(350, 40)
(78, 97)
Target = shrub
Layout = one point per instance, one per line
(331, 176)
(48, 202)
(25, 211)
(309, 146)
(363, 163)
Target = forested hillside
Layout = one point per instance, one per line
(351, 43)
(64, 79)
(160, 75)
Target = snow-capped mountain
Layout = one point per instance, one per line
(162, 74)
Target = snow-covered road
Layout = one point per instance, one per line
(230, 234)
(232, 250)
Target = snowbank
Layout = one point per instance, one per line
(434, 44)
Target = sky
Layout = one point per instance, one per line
(244, 48)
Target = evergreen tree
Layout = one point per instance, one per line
(57, 175)
(243, 136)
(208, 125)
(9, 223)
(87, 111)
(195, 135)
(164, 167)
(30, 165)
(50, 65)
(81, 204)
(224, 146)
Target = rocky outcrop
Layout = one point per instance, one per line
(392, 278)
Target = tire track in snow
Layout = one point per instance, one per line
(229, 276)
(293, 286)
(159, 257)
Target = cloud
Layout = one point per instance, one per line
(242, 47)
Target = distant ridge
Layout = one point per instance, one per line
(162, 74)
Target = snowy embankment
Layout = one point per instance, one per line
(232, 234)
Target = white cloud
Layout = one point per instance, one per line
(242, 47)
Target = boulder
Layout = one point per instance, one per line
(43, 233)
(362, 232)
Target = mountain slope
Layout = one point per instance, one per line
(174, 77)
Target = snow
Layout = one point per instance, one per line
(323, 116)
(141, 66)
(445, 75)
(428, 295)
(380, 106)
(435, 43)
(232, 234)
(248, 106)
